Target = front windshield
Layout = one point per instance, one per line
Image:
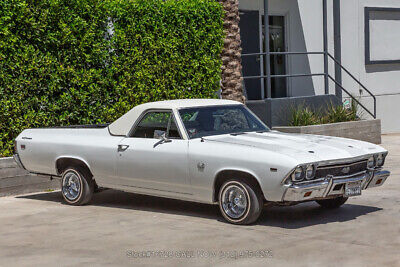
(215, 120)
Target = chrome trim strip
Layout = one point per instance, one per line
(149, 188)
(349, 176)
(344, 161)
(334, 177)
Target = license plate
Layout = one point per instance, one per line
(352, 189)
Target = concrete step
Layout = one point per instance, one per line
(11, 172)
(31, 188)
(14, 180)
(7, 163)
(22, 180)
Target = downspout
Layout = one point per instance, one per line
(267, 55)
(325, 34)
(338, 46)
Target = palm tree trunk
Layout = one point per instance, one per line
(231, 70)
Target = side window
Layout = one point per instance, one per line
(173, 130)
(156, 121)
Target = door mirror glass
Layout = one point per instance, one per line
(159, 134)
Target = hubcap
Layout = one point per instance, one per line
(234, 201)
(71, 186)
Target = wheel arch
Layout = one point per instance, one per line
(227, 174)
(70, 161)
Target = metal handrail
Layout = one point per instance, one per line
(357, 81)
(282, 53)
(284, 75)
(352, 97)
(316, 74)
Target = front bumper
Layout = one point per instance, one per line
(332, 186)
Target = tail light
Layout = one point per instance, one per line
(15, 147)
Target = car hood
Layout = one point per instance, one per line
(304, 148)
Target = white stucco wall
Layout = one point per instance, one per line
(304, 32)
(382, 80)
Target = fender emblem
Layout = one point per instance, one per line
(201, 166)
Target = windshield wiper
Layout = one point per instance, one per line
(239, 133)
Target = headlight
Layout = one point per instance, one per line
(310, 172)
(371, 162)
(379, 160)
(298, 174)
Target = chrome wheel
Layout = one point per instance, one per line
(71, 186)
(234, 201)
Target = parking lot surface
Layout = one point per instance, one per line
(128, 229)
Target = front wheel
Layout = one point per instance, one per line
(77, 186)
(239, 202)
(332, 203)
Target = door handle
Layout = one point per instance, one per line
(122, 148)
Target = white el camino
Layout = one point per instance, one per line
(209, 151)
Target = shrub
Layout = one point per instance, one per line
(303, 116)
(66, 62)
(340, 113)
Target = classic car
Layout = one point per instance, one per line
(208, 151)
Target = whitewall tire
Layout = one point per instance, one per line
(239, 203)
(77, 186)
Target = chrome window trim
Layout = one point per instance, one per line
(232, 105)
(144, 113)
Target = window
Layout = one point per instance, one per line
(206, 121)
(157, 121)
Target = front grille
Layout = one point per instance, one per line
(341, 170)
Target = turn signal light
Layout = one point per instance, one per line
(307, 194)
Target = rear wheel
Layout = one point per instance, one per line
(77, 186)
(239, 202)
(332, 203)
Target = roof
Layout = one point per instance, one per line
(186, 103)
(123, 125)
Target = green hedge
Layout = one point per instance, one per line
(66, 62)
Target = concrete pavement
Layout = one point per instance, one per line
(128, 229)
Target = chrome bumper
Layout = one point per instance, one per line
(18, 161)
(333, 186)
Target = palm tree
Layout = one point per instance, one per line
(231, 70)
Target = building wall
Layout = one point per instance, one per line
(305, 33)
(383, 80)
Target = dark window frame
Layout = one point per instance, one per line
(367, 19)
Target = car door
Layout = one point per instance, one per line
(148, 163)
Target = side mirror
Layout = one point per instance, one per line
(162, 135)
(158, 134)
